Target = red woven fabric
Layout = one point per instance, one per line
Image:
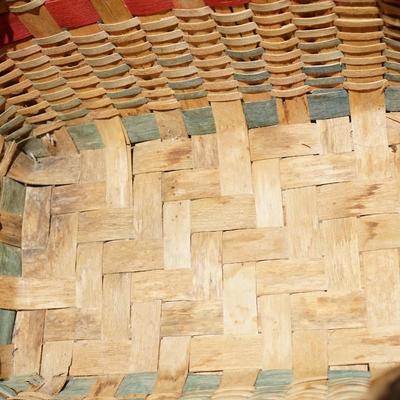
(76, 13)
(11, 29)
(226, 3)
(72, 14)
(148, 7)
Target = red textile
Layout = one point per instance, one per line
(72, 14)
(226, 3)
(76, 13)
(11, 29)
(148, 7)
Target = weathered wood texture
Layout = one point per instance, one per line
(216, 243)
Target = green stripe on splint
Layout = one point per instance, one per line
(139, 383)
(86, 137)
(261, 113)
(12, 198)
(141, 128)
(326, 104)
(199, 121)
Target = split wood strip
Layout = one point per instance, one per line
(28, 340)
(36, 294)
(117, 163)
(147, 206)
(56, 359)
(36, 219)
(240, 307)
(106, 224)
(275, 318)
(206, 251)
(51, 171)
(233, 148)
(257, 247)
(173, 364)
(145, 323)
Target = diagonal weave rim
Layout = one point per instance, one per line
(199, 200)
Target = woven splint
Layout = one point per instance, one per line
(199, 199)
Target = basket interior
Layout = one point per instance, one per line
(199, 200)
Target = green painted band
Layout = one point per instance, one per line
(67, 105)
(21, 132)
(86, 137)
(196, 382)
(12, 200)
(240, 54)
(260, 76)
(108, 73)
(139, 383)
(336, 80)
(73, 114)
(392, 99)
(7, 320)
(11, 125)
(199, 121)
(392, 77)
(186, 84)
(77, 388)
(191, 95)
(322, 69)
(326, 104)
(261, 113)
(132, 91)
(4, 389)
(392, 65)
(280, 378)
(141, 128)
(130, 103)
(169, 62)
(255, 88)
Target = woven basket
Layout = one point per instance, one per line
(199, 199)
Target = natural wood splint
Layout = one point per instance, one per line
(200, 202)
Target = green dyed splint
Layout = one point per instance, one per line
(199, 121)
(141, 128)
(12, 198)
(86, 137)
(328, 81)
(244, 54)
(261, 113)
(196, 382)
(7, 320)
(392, 77)
(392, 99)
(77, 387)
(10, 260)
(325, 104)
(191, 95)
(139, 383)
(278, 377)
(36, 147)
(23, 383)
(5, 390)
(318, 70)
(73, 114)
(341, 374)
